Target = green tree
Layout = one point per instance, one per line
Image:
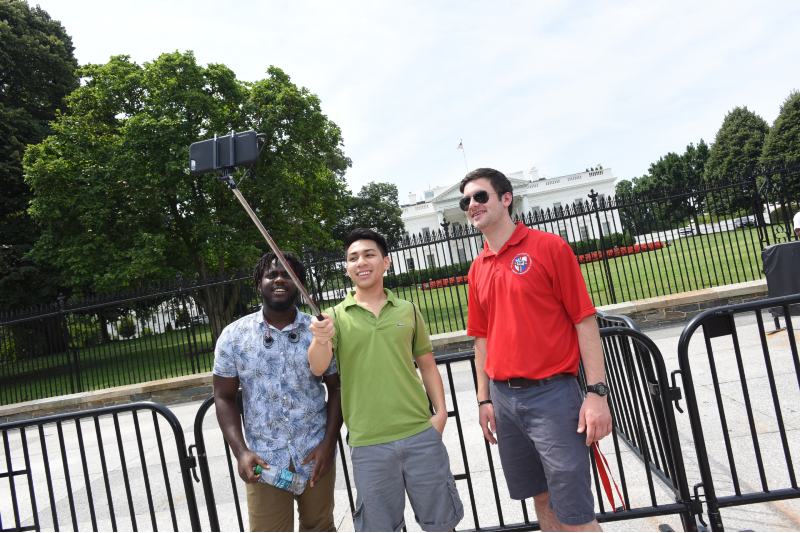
(37, 71)
(375, 207)
(672, 175)
(784, 136)
(739, 142)
(115, 199)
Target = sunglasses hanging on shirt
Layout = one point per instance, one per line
(481, 197)
(294, 338)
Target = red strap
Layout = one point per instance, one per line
(605, 474)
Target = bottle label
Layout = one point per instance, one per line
(283, 480)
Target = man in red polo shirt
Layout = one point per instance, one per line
(533, 321)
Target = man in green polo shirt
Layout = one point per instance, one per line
(394, 441)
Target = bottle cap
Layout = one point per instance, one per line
(257, 469)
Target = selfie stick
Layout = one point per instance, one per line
(226, 178)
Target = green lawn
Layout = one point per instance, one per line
(688, 264)
(122, 362)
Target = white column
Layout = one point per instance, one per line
(526, 205)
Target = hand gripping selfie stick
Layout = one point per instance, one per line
(241, 150)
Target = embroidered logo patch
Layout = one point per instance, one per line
(520, 264)
(400, 325)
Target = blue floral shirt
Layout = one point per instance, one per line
(285, 412)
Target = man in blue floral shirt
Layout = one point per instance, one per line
(286, 419)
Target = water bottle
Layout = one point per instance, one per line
(283, 479)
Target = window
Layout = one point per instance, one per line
(601, 200)
(462, 254)
(456, 228)
(426, 232)
(410, 263)
(429, 194)
(536, 210)
(557, 207)
(606, 229)
(563, 233)
(431, 260)
(584, 233)
(405, 235)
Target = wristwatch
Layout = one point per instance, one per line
(601, 389)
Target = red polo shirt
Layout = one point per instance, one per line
(526, 300)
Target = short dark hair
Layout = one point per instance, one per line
(499, 182)
(269, 258)
(360, 234)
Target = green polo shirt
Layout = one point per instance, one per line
(383, 399)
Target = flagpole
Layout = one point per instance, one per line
(464, 152)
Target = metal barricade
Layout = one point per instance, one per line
(643, 419)
(138, 471)
(735, 398)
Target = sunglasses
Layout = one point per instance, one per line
(481, 197)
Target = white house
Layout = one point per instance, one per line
(532, 195)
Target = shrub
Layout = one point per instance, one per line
(126, 327)
(593, 245)
(8, 346)
(447, 282)
(776, 216)
(147, 331)
(425, 275)
(619, 252)
(84, 331)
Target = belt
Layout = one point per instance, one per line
(519, 383)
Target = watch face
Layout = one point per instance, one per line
(602, 389)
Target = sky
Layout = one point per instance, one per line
(561, 86)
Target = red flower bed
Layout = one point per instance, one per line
(619, 252)
(439, 283)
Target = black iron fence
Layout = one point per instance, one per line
(629, 247)
(740, 382)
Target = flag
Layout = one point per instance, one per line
(460, 146)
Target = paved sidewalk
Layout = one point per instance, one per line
(772, 516)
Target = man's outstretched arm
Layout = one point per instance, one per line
(321, 350)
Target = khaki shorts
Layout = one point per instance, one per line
(272, 509)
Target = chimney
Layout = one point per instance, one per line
(412, 198)
(534, 174)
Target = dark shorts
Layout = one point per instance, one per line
(541, 449)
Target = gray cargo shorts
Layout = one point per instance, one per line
(420, 465)
(541, 449)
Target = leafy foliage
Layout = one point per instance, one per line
(376, 207)
(37, 71)
(739, 141)
(126, 327)
(114, 197)
(593, 245)
(671, 172)
(784, 136)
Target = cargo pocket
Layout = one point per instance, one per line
(359, 521)
(458, 507)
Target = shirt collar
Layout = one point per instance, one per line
(350, 299)
(518, 235)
